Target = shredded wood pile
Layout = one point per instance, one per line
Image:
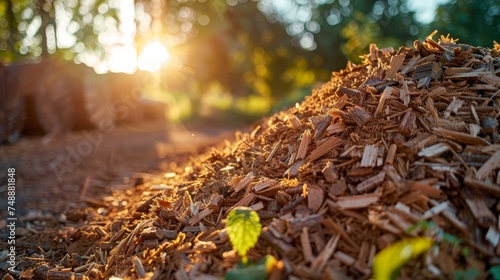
(407, 136)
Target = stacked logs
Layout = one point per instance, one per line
(52, 97)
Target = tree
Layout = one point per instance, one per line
(337, 31)
(253, 49)
(475, 22)
(232, 44)
(31, 28)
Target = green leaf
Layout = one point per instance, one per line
(256, 271)
(388, 261)
(243, 227)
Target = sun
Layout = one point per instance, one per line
(153, 57)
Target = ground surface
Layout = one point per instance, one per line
(55, 176)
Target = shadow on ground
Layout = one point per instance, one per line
(54, 176)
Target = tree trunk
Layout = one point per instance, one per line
(12, 27)
(43, 27)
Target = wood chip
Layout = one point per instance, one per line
(325, 147)
(359, 116)
(482, 186)
(385, 94)
(408, 124)
(306, 245)
(391, 154)
(491, 164)
(369, 158)
(453, 107)
(371, 183)
(357, 201)
(276, 146)
(335, 128)
(321, 128)
(434, 150)
(394, 66)
(331, 175)
(304, 144)
(320, 262)
(462, 137)
(200, 216)
(243, 183)
(430, 70)
(481, 212)
(315, 197)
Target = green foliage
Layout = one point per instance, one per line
(342, 30)
(388, 262)
(257, 52)
(257, 271)
(253, 49)
(495, 272)
(244, 228)
(475, 22)
(30, 24)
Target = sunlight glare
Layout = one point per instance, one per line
(153, 57)
(122, 59)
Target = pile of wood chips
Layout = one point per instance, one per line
(409, 137)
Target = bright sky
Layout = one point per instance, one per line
(425, 10)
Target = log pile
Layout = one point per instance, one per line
(51, 93)
(405, 144)
(54, 97)
(12, 111)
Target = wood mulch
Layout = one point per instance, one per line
(410, 135)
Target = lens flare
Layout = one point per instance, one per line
(153, 57)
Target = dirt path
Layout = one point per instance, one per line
(51, 177)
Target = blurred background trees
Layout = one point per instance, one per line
(474, 22)
(240, 56)
(30, 28)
